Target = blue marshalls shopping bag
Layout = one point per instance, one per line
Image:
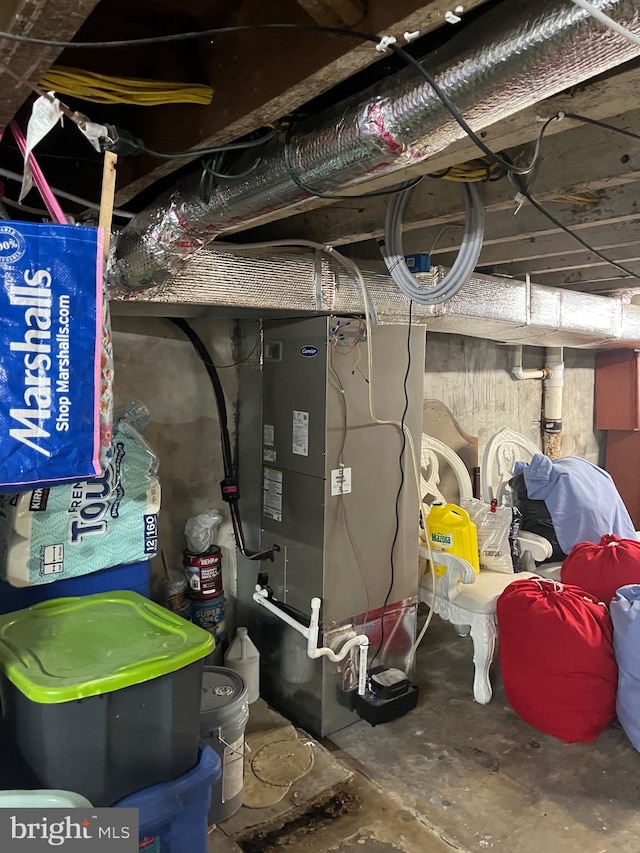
(51, 319)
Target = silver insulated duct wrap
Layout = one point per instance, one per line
(264, 284)
(516, 55)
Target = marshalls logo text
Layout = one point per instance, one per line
(42, 333)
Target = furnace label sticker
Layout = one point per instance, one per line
(268, 435)
(300, 443)
(340, 481)
(272, 494)
(269, 455)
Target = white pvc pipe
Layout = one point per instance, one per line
(599, 15)
(553, 384)
(260, 596)
(518, 372)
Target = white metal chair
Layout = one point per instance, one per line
(462, 597)
(468, 600)
(503, 450)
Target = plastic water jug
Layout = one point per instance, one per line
(452, 530)
(244, 658)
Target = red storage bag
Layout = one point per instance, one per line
(557, 660)
(604, 568)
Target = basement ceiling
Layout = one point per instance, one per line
(587, 176)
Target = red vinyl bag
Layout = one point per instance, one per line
(557, 660)
(603, 568)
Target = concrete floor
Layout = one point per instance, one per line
(457, 775)
(483, 779)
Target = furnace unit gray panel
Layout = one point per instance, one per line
(315, 416)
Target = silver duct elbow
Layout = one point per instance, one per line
(519, 53)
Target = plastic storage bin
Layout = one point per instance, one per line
(173, 816)
(42, 800)
(101, 695)
(135, 577)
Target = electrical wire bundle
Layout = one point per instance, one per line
(480, 170)
(107, 89)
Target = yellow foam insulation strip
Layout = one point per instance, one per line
(104, 89)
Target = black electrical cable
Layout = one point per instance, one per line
(229, 486)
(604, 124)
(505, 164)
(403, 448)
(519, 183)
(216, 149)
(191, 35)
(576, 236)
(297, 180)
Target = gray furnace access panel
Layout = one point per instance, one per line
(330, 477)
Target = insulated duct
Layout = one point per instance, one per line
(252, 284)
(516, 55)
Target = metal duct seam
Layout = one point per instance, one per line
(498, 309)
(513, 57)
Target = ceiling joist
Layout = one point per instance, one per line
(23, 65)
(260, 76)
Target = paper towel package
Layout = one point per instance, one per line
(48, 534)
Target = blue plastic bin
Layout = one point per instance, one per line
(135, 577)
(173, 816)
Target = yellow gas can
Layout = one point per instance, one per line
(451, 530)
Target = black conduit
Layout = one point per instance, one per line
(229, 486)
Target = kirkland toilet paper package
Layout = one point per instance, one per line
(51, 348)
(49, 534)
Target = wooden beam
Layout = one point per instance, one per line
(614, 284)
(23, 65)
(529, 243)
(599, 271)
(618, 205)
(334, 13)
(347, 222)
(537, 250)
(261, 76)
(583, 158)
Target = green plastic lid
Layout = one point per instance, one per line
(73, 648)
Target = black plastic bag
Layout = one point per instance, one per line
(535, 517)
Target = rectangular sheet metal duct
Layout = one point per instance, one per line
(498, 309)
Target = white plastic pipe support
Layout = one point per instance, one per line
(260, 596)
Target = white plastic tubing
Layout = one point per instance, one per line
(260, 596)
(599, 15)
(465, 262)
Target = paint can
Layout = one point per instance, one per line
(204, 573)
(224, 712)
(210, 614)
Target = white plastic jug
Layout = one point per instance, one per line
(244, 658)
